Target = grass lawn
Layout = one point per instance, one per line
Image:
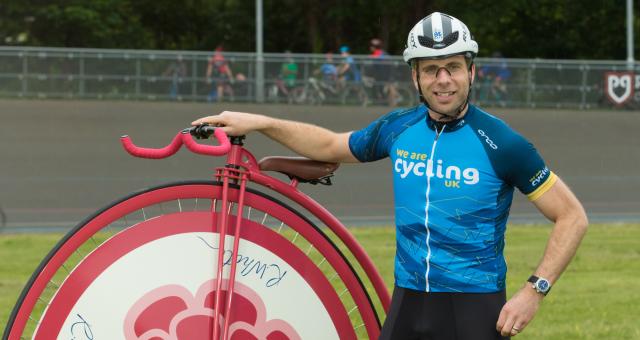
(598, 297)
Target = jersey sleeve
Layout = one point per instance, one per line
(367, 144)
(526, 170)
(515, 160)
(374, 141)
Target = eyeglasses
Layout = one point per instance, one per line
(453, 69)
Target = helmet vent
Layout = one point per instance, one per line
(430, 43)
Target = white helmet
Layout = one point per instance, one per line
(439, 36)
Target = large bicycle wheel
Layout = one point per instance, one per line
(145, 267)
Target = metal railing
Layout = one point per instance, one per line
(34, 72)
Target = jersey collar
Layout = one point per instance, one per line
(452, 125)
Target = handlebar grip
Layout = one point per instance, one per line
(212, 150)
(165, 152)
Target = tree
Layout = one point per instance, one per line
(567, 29)
(98, 23)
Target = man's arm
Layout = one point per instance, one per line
(561, 206)
(209, 69)
(305, 139)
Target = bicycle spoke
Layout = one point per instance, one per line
(65, 268)
(77, 252)
(54, 283)
(280, 228)
(294, 238)
(333, 277)
(343, 291)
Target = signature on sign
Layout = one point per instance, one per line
(271, 273)
(81, 330)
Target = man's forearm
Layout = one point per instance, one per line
(562, 246)
(308, 140)
(305, 139)
(562, 207)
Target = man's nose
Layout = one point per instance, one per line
(446, 73)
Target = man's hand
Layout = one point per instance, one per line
(519, 311)
(235, 123)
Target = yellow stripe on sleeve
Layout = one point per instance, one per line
(543, 188)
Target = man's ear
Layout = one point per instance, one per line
(414, 76)
(473, 73)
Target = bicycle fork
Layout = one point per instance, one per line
(225, 174)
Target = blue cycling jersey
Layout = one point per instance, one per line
(453, 187)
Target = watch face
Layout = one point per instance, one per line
(543, 285)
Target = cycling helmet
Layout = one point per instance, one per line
(439, 36)
(344, 49)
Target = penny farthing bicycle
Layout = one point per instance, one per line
(243, 256)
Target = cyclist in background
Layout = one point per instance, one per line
(385, 88)
(493, 80)
(219, 72)
(349, 77)
(288, 75)
(347, 70)
(328, 71)
(176, 70)
(325, 78)
(454, 169)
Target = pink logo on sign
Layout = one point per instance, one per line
(171, 313)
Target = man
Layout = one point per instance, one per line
(348, 70)
(375, 46)
(219, 69)
(493, 80)
(325, 78)
(455, 168)
(176, 70)
(385, 87)
(288, 74)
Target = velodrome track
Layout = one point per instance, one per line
(60, 160)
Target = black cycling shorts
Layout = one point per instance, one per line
(416, 315)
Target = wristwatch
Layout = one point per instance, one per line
(541, 285)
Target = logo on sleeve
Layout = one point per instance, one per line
(539, 176)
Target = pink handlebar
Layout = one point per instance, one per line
(183, 137)
(210, 150)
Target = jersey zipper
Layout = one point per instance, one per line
(426, 209)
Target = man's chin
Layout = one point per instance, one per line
(445, 113)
